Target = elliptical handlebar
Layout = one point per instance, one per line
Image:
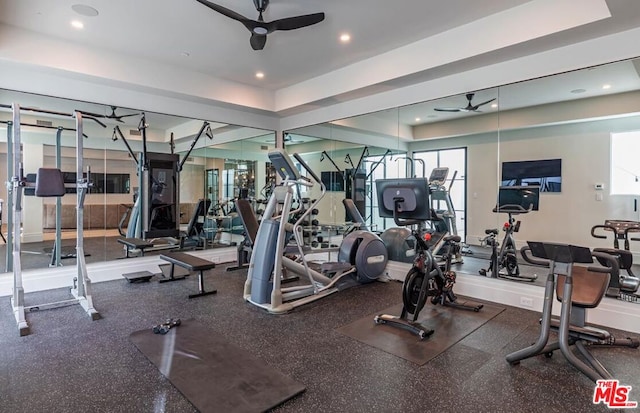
(401, 222)
(307, 168)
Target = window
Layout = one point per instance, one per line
(456, 161)
(625, 169)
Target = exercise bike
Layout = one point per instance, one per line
(621, 286)
(426, 278)
(504, 261)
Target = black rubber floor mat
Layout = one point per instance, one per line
(450, 324)
(215, 375)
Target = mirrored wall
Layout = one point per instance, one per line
(219, 163)
(576, 135)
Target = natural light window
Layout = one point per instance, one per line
(625, 168)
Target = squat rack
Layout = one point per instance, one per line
(81, 288)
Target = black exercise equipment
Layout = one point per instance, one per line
(577, 288)
(622, 286)
(250, 224)
(164, 327)
(155, 213)
(407, 202)
(1, 233)
(512, 200)
(356, 218)
(190, 263)
(354, 178)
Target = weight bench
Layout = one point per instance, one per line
(134, 244)
(191, 263)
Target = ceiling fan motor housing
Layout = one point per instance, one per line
(261, 5)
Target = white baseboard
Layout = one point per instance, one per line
(61, 277)
(610, 313)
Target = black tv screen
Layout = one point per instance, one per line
(546, 173)
(332, 181)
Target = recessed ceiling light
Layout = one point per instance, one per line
(84, 10)
(578, 91)
(345, 37)
(418, 119)
(606, 86)
(259, 75)
(494, 105)
(77, 24)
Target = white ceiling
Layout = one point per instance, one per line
(162, 30)
(140, 46)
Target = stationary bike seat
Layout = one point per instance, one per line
(453, 238)
(493, 231)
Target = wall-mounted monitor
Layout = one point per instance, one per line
(546, 173)
(332, 180)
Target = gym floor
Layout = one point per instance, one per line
(72, 364)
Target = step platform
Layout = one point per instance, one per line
(138, 276)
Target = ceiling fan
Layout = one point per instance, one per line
(259, 28)
(469, 108)
(113, 115)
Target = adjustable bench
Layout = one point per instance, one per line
(135, 244)
(191, 263)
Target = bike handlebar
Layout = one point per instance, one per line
(513, 208)
(612, 263)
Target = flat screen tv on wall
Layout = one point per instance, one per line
(545, 173)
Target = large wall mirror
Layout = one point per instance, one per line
(576, 135)
(225, 163)
(348, 156)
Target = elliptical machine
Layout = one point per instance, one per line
(512, 200)
(407, 202)
(362, 256)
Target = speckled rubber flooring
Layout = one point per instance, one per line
(72, 364)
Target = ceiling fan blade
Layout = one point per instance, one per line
(223, 10)
(93, 115)
(126, 116)
(292, 23)
(448, 109)
(258, 41)
(484, 103)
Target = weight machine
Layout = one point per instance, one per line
(155, 212)
(355, 180)
(49, 183)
